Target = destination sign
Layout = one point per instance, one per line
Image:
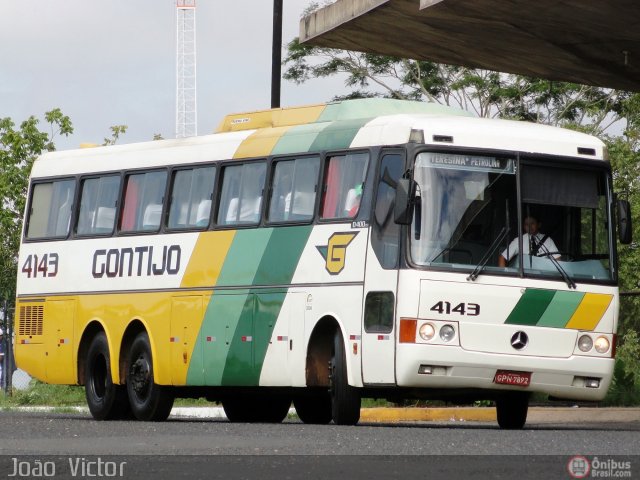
(466, 162)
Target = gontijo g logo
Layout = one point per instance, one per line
(335, 252)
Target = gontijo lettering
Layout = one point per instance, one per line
(138, 261)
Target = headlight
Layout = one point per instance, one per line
(447, 332)
(427, 331)
(602, 345)
(585, 343)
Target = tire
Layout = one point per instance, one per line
(512, 410)
(345, 399)
(106, 400)
(249, 409)
(149, 401)
(314, 409)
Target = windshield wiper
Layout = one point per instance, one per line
(565, 276)
(483, 261)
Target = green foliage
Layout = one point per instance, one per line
(116, 131)
(42, 394)
(19, 147)
(625, 388)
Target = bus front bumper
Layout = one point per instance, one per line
(450, 367)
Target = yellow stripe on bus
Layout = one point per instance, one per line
(590, 311)
(207, 259)
(260, 143)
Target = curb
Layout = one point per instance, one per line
(547, 415)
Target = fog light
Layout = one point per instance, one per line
(425, 369)
(585, 343)
(427, 331)
(592, 382)
(602, 345)
(447, 332)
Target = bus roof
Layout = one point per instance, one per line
(334, 126)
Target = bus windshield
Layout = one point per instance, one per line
(466, 212)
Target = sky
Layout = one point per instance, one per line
(113, 62)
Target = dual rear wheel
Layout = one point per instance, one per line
(141, 397)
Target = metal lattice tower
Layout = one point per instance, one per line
(186, 112)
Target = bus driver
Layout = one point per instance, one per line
(533, 243)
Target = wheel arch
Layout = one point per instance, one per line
(93, 328)
(319, 350)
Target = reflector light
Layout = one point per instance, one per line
(408, 330)
(425, 369)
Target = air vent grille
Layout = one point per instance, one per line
(31, 317)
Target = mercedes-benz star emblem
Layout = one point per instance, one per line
(519, 340)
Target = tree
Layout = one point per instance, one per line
(484, 92)
(19, 147)
(116, 131)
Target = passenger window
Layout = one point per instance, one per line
(50, 212)
(191, 196)
(241, 197)
(98, 201)
(293, 193)
(142, 209)
(343, 182)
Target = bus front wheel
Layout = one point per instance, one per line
(106, 400)
(149, 401)
(345, 399)
(512, 409)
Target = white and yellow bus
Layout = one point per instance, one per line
(320, 255)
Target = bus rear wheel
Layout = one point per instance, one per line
(314, 409)
(106, 400)
(512, 409)
(149, 401)
(345, 399)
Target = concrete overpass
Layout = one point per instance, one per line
(583, 41)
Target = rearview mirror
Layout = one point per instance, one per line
(403, 208)
(623, 215)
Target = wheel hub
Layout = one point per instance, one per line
(139, 375)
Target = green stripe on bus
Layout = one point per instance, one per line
(531, 307)
(298, 139)
(338, 135)
(241, 324)
(244, 257)
(216, 334)
(562, 307)
(281, 255)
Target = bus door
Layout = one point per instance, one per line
(381, 276)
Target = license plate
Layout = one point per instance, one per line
(506, 377)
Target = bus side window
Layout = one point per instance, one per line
(142, 209)
(293, 192)
(343, 182)
(98, 205)
(51, 204)
(191, 194)
(241, 196)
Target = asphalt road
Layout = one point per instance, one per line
(24, 433)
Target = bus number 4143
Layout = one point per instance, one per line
(44, 266)
(469, 309)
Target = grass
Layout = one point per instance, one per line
(39, 394)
